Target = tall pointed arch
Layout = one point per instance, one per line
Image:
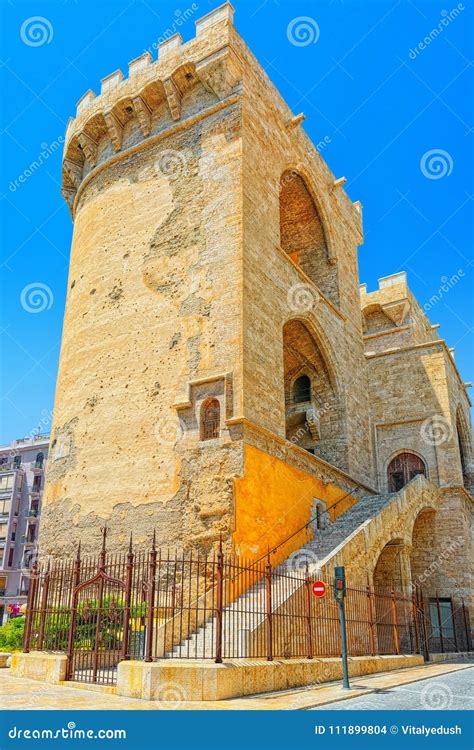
(303, 235)
(316, 422)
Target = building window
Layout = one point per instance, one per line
(210, 419)
(5, 507)
(10, 557)
(37, 484)
(302, 389)
(39, 460)
(6, 482)
(17, 462)
(441, 620)
(402, 469)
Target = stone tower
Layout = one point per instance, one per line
(208, 234)
(217, 376)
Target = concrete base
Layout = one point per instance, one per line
(40, 666)
(4, 657)
(199, 680)
(181, 680)
(434, 658)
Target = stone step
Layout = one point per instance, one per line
(249, 609)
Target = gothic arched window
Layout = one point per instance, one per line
(402, 469)
(210, 419)
(302, 389)
(39, 460)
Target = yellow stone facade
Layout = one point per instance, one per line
(214, 257)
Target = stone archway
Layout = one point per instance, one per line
(314, 415)
(392, 570)
(303, 236)
(392, 580)
(424, 559)
(465, 448)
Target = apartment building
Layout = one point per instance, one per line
(22, 466)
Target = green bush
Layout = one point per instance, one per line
(11, 634)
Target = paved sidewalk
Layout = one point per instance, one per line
(453, 691)
(23, 694)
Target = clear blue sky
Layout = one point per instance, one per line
(382, 107)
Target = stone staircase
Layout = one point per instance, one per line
(247, 613)
(326, 543)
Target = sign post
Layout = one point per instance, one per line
(340, 595)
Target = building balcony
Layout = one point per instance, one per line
(33, 512)
(303, 414)
(10, 466)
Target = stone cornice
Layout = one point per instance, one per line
(378, 334)
(315, 460)
(151, 141)
(153, 95)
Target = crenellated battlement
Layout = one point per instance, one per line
(150, 100)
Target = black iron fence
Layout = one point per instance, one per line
(160, 605)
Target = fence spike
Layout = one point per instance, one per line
(104, 536)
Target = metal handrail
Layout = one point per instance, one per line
(313, 518)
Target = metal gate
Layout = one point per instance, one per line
(100, 621)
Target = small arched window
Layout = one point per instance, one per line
(302, 389)
(210, 419)
(402, 469)
(39, 460)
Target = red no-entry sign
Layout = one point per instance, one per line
(319, 588)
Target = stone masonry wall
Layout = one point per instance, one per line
(153, 304)
(275, 289)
